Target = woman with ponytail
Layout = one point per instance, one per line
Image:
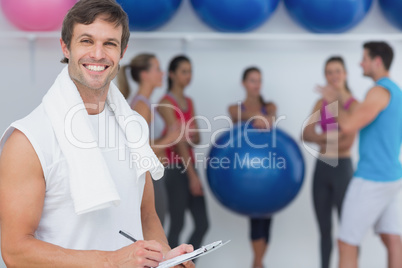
(145, 71)
(262, 115)
(183, 184)
(334, 169)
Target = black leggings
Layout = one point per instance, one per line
(260, 228)
(160, 199)
(180, 198)
(329, 187)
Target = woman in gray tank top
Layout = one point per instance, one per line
(145, 71)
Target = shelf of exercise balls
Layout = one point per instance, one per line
(188, 37)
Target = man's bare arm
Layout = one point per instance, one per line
(22, 195)
(376, 100)
(151, 225)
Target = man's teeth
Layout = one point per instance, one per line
(95, 68)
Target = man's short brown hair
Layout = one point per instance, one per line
(382, 50)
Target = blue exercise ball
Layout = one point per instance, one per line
(234, 15)
(255, 172)
(392, 10)
(328, 16)
(147, 15)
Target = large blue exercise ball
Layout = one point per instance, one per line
(328, 16)
(148, 15)
(234, 15)
(392, 10)
(255, 172)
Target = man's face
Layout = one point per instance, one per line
(94, 54)
(367, 64)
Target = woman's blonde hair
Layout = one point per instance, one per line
(138, 64)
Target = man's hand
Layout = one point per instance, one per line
(328, 93)
(180, 250)
(141, 254)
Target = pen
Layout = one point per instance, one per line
(127, 236)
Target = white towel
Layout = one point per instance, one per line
(91, 183)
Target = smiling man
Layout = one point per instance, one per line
(66, 182)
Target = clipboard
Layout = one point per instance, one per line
(192, 255)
